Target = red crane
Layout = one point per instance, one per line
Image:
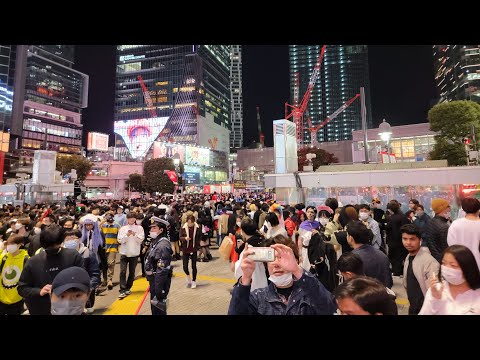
(298, 111)
(148, 99)
(314, 129)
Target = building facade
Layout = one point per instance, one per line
(164, 92)
(236, 135)
(343, 71)
(408, 143)
(457, 72)
(49, 96)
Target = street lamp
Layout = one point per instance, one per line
(385, 132)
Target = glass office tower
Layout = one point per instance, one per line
(343, 71)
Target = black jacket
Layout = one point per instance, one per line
(256, 240)
(39, 271)
(436, 232)
(323, 259)
(395, 222)
(375, 264)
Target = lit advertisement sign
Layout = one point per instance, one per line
(168, 150)
(139, 134)
(97, 141)
(191, 178)
(6, 98)
(197, 156)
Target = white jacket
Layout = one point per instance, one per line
(130, 245)
(467, 303)
(423, 265)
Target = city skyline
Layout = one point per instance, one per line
(401, 81)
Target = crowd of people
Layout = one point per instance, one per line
(329, 259)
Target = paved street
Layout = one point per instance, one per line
(211, 297)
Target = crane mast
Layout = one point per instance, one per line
(314, 129)
(297, 111)
(148, 99)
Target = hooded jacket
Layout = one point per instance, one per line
(11, 269)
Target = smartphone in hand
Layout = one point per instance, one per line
(264, 254)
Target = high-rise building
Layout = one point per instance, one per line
(7, 52)
(48, 99)
(457, 72)
(236, 135)
(343, 71)
(179, 93)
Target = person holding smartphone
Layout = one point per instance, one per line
(292, 290)
(459, 291)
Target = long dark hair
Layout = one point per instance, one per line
(467, 263)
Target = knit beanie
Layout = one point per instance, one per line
(439, 205)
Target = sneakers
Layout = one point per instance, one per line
(89, 310)
(194, 284)
(128, 292)
(189, 281)
(122, 295)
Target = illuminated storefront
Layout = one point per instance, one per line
(409, 143)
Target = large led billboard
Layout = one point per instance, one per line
(97, 141)
(168, 150)
(139, 134)
(197, 156)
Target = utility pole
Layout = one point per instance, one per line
(364, 123)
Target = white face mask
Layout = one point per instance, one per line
(282, 280)
(447, 215)
(153, 235)
(453, 276)
(364, 215)
(37, 230)
(12, 248)
(138, 222)
(239, 223)
(18, 226)
(68, 307)
(323, 221)
(70, 244)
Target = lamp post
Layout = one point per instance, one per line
(385, 132)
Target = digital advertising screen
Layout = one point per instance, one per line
(97, 141)
(139, 134)
(197, 156)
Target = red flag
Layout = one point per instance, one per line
(172, 175)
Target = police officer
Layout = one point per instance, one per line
(157, 265)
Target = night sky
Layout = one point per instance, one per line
(402, 86)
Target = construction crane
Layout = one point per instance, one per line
(298, 110)
(148, 99)
(314, 129)
(260, 132)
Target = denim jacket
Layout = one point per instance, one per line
(308, 297)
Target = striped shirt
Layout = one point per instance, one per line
(111, 233)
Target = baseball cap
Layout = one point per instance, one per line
(69, 278)
(156, 221)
